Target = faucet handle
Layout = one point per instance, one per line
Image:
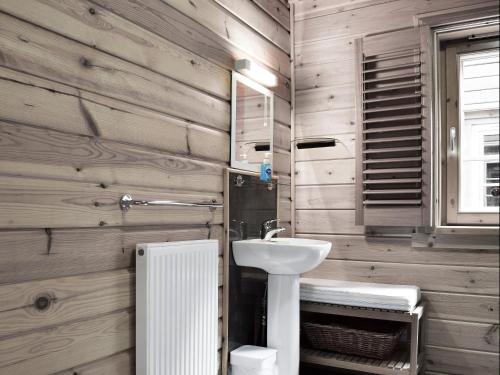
(268, 223)
(271, 233)
(266, 226)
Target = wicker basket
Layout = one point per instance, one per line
(345, 339)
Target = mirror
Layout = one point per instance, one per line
(251, 123)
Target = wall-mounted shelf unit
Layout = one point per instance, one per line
(408, 360)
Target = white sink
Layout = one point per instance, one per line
(284, 259)
(281, 256)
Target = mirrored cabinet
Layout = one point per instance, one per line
(251, 124)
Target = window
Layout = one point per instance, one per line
(469, 88)
(478, 91)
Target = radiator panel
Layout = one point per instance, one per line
(177, 302)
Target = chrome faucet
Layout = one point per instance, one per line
(267, 231)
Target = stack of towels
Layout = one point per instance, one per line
(379, 296)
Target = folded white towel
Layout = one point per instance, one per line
(382, 296)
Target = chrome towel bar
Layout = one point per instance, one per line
(126, 202)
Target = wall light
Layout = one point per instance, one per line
(256, 72)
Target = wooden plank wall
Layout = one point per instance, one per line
(101, 98)
(459, 285)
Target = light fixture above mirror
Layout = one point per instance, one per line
(256, 72)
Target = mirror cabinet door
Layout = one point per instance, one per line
(251, 124)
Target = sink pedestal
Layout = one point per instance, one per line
(283, 321)
(284, 259)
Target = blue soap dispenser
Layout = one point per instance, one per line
(266, 170)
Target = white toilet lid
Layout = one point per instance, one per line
(253, 357)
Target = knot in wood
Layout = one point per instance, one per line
(42, 302)
(85, 62)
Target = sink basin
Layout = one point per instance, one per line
(281, 256)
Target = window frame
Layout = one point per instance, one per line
(448, 115)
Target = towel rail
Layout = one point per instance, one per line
(126, 202)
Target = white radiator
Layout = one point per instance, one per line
(177, 320)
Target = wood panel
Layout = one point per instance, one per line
(463, 335)
(32, 305)
(326, 221)
(403, 216)
(80, 116)
(34, 152)
(101, 29)
(276, 9)
(207, 14)
(105, 98)
(251, 14)
(284, 184)
(282, 111)
(458, 241)
(329, 123)
(35, 203)
(285, 203)
(86, 68)
(52, 253)
(284, 212)
(324, 51)
(47, 104)
(166, 21)
(400, 250)
(315, 76)
(461, 362)
(316, 8)
(288, 229)
(43, 109)
(397, 15)
(325, 172)
(211, 17)
(463, 307)
(185, 139)
(281, 161)
(459, 279)
(38, 304)
(325, 99)
(67, 345)
(286, 3)
(324, 197)
(282, 137)
(122, 363)
(68, 300)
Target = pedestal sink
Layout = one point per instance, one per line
(284, 259)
